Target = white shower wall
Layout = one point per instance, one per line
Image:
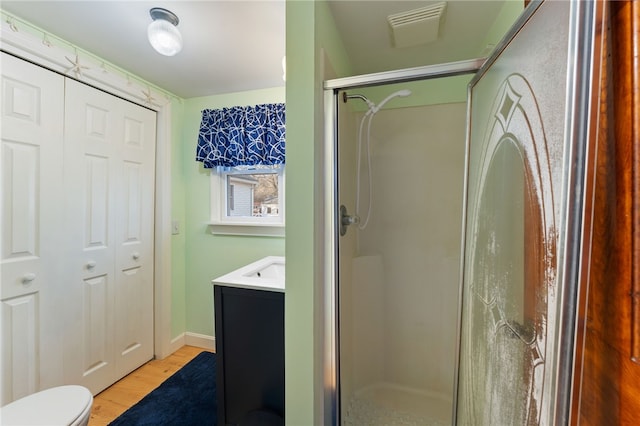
(399, 292)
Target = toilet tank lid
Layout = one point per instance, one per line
(59, 405)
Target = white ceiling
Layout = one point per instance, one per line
(238, 45)
(364, 30)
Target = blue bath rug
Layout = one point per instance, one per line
(188, 397)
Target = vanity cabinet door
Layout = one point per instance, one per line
(250, 350)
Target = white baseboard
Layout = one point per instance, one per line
(177, 343)
(192, 339)
(200, 340)
(174, 344)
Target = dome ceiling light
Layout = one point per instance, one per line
(162, 32)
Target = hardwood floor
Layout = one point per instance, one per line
(122, 395)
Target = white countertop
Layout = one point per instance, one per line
(264, 274)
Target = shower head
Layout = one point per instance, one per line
(346, 97)
(401, 93)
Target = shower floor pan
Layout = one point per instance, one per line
(387, 404)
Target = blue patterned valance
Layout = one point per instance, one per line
(242, 136)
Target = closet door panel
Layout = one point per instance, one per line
(31, 213)
(20, 346)
(111, 144)
(91, 158)
(31, 155)
(21, 252)
(134, 229)
(133, 341)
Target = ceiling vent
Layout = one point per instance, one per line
(415, 27)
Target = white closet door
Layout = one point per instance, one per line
(134, 238)
(109, 171)
(31, 213)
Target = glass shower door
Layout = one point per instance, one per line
(399, 265)
(530, 123)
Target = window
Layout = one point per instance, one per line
(244, 147)
(248, 200)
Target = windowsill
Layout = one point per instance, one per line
(247, 229)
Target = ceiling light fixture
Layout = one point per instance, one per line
(162, 32)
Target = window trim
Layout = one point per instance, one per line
(221, 224)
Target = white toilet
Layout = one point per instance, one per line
(58, 406)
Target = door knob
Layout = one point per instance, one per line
(91, 264)
(28, 277)
(135, 255)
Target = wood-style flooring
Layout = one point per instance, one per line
(122, 395)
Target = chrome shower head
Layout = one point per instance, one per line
(346, 97)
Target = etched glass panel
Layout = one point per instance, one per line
(519, 170)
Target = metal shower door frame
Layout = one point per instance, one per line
(331, 347)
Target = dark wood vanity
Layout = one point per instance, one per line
(249, 326)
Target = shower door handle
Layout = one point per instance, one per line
(346, 220)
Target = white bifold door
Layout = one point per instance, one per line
(32, 211)
(109, 171)
(77, 232)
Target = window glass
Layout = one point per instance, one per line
(247, 196)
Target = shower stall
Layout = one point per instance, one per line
(458, 203)
(404, 258)
(401, 156)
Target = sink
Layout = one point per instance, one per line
(270, 271)
(264, 274)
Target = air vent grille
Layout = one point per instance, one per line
(417, 26)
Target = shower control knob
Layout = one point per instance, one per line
(350, 220)
(346, 220)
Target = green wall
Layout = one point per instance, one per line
(314, 53)
(207, 256)
(299, 306)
